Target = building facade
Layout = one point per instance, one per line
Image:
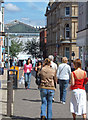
(82, 34)
(43, 42)
(62, 25)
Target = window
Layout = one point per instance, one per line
(67, 31)
(67, 11)
(67, 52)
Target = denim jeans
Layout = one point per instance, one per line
(46, 99)
(63, 84)
(27, 79)
(2, 70)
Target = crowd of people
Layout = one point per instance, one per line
(51, 74)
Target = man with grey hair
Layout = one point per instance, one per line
(53, 65)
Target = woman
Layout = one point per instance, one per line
(27, 73)
(2, 66)
(63, 75)
(38, 68)
(6, 63)
(78, 100)
(47, 89)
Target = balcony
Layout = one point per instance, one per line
(65, 41)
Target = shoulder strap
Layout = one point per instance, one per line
(84, 74)
(74, 75)
(62, 69)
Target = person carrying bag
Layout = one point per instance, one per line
(64, 75)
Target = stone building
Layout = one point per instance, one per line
(62, 25)
(43, 41)
(82, 34)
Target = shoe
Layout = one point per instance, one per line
(43, 118)
(53, 99)
(63, 103)
(26, 87)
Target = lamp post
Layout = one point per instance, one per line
(8, 51)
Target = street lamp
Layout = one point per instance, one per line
(8, 44)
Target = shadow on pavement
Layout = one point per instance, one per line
(26, 89)
(26, 118)
(57, 102)
(34, 73)
(32, 100)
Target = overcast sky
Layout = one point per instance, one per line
(32, 13)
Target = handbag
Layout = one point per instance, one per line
(38, 80)
(22, 80)
(60, 73)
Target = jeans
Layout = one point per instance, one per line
(63, 84)
(2, 70)
(27, 79)
(6, 65)
(46, 98)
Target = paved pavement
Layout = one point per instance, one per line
(3, 94)
(27, 103)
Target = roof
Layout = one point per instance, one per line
(19, 27)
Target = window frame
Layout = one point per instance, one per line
(66, 11)
(67, 31)
(66, 52)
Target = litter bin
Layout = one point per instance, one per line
(13, 73)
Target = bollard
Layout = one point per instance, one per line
(9, 95)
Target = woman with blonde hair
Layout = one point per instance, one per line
(48, 77)
(63, 75)
(78, 99)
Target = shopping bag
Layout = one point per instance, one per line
(22, 80)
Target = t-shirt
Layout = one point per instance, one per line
(27, 68)
(2, 64)
(53, 65)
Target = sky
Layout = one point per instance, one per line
(32, 13)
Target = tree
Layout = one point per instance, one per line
(32, 47)
(15, 48)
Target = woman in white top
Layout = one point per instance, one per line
(2, 66)
(63, 75)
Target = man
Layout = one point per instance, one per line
(53, 65)
(11, 61)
